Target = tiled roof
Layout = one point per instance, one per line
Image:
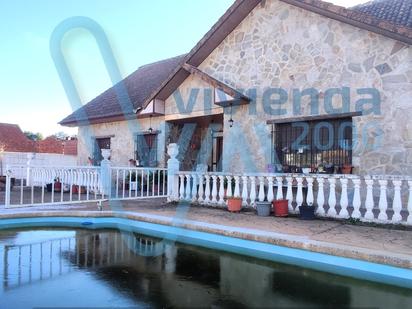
(12, 139)
(396, 11)
(139, 85)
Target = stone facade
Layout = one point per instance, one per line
(122, 135)
(279, 45)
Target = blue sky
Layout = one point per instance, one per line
(139, 31)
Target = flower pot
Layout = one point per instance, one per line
(347, 169)
(234, 204)
(57, 186)
(263, 209)
(281, 208)
(307, 212)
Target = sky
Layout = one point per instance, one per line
(140, 32)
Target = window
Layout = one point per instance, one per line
(146, 150)
(312, 143)
(99, 144)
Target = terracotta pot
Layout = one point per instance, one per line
(234, 204)
(281, 208)
(57, 186)
(347, 169)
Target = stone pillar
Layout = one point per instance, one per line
(173, 167)
(106, 173)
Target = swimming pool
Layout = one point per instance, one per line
(95, 267)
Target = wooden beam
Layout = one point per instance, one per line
(215, 83)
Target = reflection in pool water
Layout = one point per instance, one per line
(106, 268)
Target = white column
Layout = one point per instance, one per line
(383, 201)
(321, 197)
(289, 194)
(261, 188)
(214, 189)
(201, 193)
(173, 166)
(270, 189)
(279, 193)
(207, 190)
(369, 199)
(356, 214)
(244, 190)
(188, 187)
(309, 197)
(229, 192)
(221, 190)
(332, 197)
(194, 188)
(237, 187)
(397, 202)
(182, 187)
(409, 220)
(252, 190)
(106, 173)
(299, 195)
(344, 201)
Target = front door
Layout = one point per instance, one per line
(217, 151)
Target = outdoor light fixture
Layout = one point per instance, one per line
(231, 120)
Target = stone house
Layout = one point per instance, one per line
(275, 85)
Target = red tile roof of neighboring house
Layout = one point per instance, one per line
(12, 139)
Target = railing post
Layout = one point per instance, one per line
(106, 173)
(397, 202)
(383, 201)
(173, 167)
(356, 214)
(244, 190)
(369, 200)
(261, 188)
(289, 194)
(299, 194)
(309, 197)
(8, 187)
(332, 197)
(270, 196)
(409, 219)
(344, 202)
(221, 190)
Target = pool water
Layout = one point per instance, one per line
(111, 269)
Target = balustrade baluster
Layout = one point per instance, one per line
(214, 189)
(397, 202)
(252, 190)
(237, 186)
(182, 187)
(289, 194)
(310, 198)
(332, 197)
(270, 196)
(320, 211)
(207, 190)
(279, 184)
(344, 202)
(245, 191)
(383, 201)
(188, 192)
(369, 199)
(409, 220)
(299, 195)
(221, 190)
(356, 214)
(229, 192)
(194, 188)
(261, 188)
(201, 189)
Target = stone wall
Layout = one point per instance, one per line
(122, 139)
(279, 45)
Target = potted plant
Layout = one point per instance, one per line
(307, 212)
(281, 208)
(263, 209)
(234, 204)
(347, 169)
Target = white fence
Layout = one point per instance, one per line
(34, 185)
(382, 199)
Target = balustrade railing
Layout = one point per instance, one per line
(383, 199)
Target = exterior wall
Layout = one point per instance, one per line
(279, 45)
(203, 103)
(122, 135)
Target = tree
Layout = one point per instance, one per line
(33, 136)
(61, 135)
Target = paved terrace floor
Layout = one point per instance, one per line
(387, 245)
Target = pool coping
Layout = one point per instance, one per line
(284, 240)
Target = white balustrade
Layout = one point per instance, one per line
(279, 183)
(289, 194)
(356, 214)
(397, 202)
(332, 198)
(253, 189)
(299, 195)
(244, 191)
(261, 188)
(214, 189)
(207, 190)
(344, 202)
(229, 192)
(409, 219)
(383, 201)
(270, 196)
(369, 200)
(320, 211)
(194, 188)
(221, 190)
